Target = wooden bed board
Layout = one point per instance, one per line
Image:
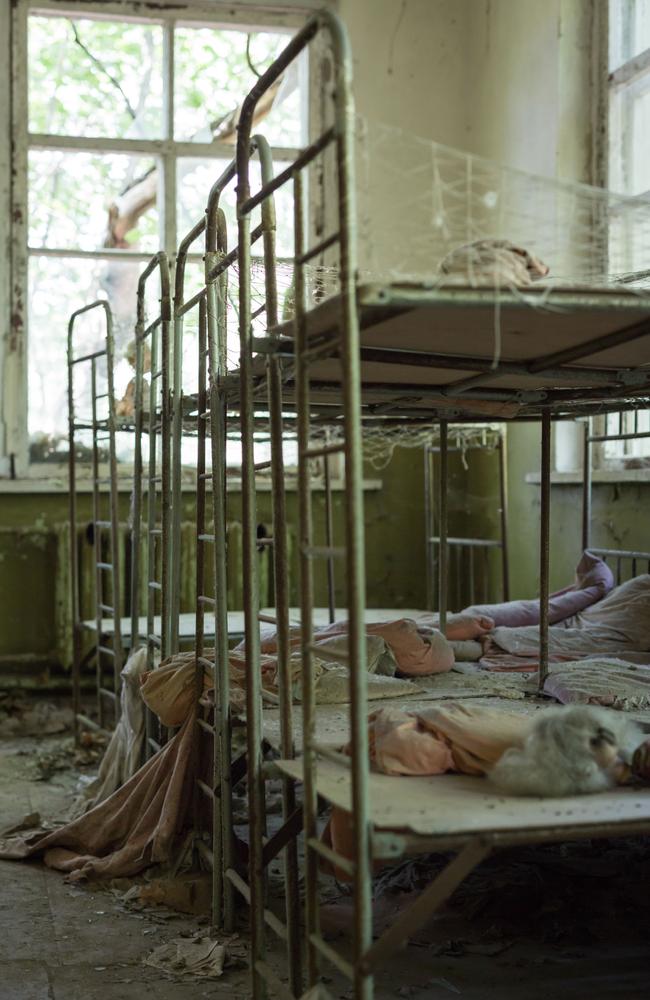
(451, 805)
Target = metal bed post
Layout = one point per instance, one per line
(544, 548)
(586, 485)
(341, 135)
(255, 777)
(429, 525)
(443, 512)
(73, 548)
(157, 475)
(281, 570)
(503, 503)
(216, 246)
(99, 524)
(329, 531)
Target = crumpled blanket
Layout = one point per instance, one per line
(593, 581)
(123, 755)
(600, 681)
(142, 822)
(618, 625)
(137, 826)
(391, 647)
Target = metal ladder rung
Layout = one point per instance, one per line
(318, 248)
(330, 855)
(106, 649)
(259, 311)
(154, 585)
(155, 531)
(207, 538)
(104, 565)
(87, 357)
(105, 693)
(204, 662)
(268, 540)
(107, 608)
(323, 551)
(205, 726)
(154, 744)
(328, 449)
(205, 475)
(154, 640)
(209, 601)
(262, 465)
(104, 524)
(205, 415)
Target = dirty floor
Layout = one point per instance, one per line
(567, 923)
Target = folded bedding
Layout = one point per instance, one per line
(617, 625)
(593, 581)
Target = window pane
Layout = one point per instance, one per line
(213, 76)
(73, 195)
(58, 286)
(629, 30)
(95, 78)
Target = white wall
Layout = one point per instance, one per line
(410, 63)
(531, 73)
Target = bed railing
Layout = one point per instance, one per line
(105, 523)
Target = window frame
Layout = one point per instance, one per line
(14, 358)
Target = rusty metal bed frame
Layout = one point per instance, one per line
(344, 328)
(465, 550)
(104, 524)
(287, 371)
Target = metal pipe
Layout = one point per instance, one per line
(544, 549)
(443, 571)
(586, 485)
(255, 780)
(329, 524)
(503, 512)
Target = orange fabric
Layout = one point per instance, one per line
(453, 737)
(413, 654)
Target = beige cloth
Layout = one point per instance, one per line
(124, 753)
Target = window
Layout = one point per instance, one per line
(623, 454)
(629, 96)
(120, 126)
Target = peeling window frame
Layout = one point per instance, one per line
(14, 362)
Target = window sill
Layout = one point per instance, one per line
(58, 485)
(597, 476)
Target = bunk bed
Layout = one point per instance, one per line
(409, 349)
(362, 354)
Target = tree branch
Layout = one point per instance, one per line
(102, 68)
(248, 57)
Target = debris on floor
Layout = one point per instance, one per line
(197, 957)
(66, 756)
(20, 716)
